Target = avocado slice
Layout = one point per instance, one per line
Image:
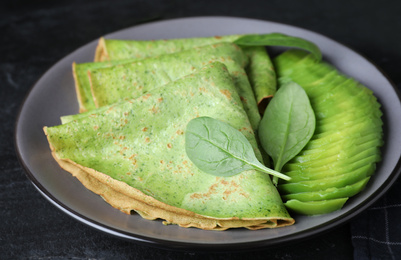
(330, 144)
(315, 207)
(326, 183)
(341, 158)
(330, 193)
(362, 165)
(329, 154)
(356, 126)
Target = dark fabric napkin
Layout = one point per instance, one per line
(376, 233)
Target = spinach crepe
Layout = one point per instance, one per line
(111, 84)
(114, 49)
(109, 51)
(82, 83)
(133, 154)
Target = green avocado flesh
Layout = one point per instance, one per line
(345, 148)
(141, 142)
(319, 207)
(329, 193)
(323, 183)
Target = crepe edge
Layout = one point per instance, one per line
(101, 51)
(128, 200)
(78, 89)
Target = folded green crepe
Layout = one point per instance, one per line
(111, 84)
(112, 49)
(261, 75)
(133, 154)
(260, 70)
(82, 83)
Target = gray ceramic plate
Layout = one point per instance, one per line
(54, 95)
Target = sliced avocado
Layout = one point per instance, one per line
(320, 139)
(330, 193)
(348, 149)
(342, 97)
(342, 158)
(305, 172)
(290, 59)
(315, 207)
(345, 147)
(330, 148)
(300, 176)
(323, 183)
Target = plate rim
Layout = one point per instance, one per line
(177, 245)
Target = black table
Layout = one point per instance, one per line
(37, 34)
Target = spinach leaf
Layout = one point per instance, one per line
(219, 149)
(279, 39)
(287, 125)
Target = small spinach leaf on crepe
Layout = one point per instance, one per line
(279, 39)
(287, 125)
(219, 149)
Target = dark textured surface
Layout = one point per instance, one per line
(36, 34)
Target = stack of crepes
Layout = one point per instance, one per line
(128, 145)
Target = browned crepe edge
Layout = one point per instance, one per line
(127, 199)
(101, 51)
